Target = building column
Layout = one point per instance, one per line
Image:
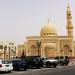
(42, 50)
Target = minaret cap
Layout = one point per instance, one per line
(68, 5)
(48, 21)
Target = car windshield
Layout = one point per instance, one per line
(6, 61)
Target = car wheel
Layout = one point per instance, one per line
(61, 63)
(9, 71)
(14, 69)
(25, 69)
(54, 65)
(47, 65)
(66, 64)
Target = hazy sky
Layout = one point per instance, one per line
(20, 18)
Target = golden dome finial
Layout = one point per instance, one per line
(48, 21)
(68, 4)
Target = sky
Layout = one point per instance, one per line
(22, 18)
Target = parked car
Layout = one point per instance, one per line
(49, 62)
(63, 60)
(33, 61)
(5, 65)
(19, 64)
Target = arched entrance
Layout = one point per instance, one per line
(34, 51)
(50, 50)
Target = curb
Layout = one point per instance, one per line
(72, 63)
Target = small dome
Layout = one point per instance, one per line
(48, 30)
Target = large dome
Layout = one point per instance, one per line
(48, 30)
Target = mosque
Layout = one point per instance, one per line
(49, 43)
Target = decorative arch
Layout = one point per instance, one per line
(66, 49)
(33, 50)
(49, 51)
(67, 46)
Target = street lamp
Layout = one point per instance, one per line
(70, 54)
(5, 48)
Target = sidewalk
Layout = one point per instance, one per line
(72, 63)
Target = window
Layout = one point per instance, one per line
(1, 46)
(6, 61)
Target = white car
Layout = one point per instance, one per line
(6, 66)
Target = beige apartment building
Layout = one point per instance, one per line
(8, 50)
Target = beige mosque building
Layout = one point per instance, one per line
(49, 43)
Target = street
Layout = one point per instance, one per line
(60, 70)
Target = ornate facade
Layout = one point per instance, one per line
(8, 50)
(49, 43)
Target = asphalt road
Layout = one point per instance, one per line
(60, 70)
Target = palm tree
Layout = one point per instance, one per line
(38, 44)
(22, 56)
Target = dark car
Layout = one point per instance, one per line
(33, 61)
(19, 64)
(63, 60)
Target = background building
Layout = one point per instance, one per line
(8, 50)
(21, 50)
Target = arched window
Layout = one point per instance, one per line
(66, 50)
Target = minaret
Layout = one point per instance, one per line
(69, 21)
